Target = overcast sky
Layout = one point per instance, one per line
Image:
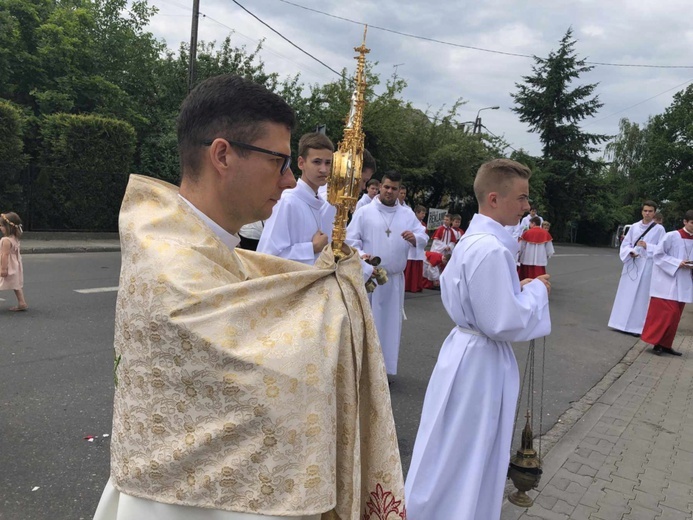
(630, 32)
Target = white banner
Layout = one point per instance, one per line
(435, 218)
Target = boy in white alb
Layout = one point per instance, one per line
(633, 294)
(372, 187)
(460, 461)
(301, 223)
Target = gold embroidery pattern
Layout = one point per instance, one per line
(232, 392)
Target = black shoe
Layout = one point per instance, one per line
(657, 349)
(671, 351)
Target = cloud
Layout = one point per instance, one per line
(619, 31)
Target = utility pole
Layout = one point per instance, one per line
(193, 44)
(477, 121)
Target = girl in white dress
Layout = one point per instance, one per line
(11, 270)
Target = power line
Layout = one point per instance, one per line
(481, 49)
(267, 48)
(638, 103)
(285, 38)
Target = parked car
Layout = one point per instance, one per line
(621, 233)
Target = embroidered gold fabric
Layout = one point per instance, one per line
(246, 382)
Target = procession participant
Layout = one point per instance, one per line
(372, 188)
(536, 247)
(472, 393)
(389, 231)
(524, 223)
(413, 274)
(547, 225)
(228, 363)
(402, 197)
(672, 287)
(633, 293)
(301, 223)
(456, 223)
(444, 238)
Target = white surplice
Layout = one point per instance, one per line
(368, 233)
(295, 219)
(462, 450)
(535, 254)
(365, 199)
(633, 294)
(669, 281)
(115, 505)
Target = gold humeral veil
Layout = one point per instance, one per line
(245, 382)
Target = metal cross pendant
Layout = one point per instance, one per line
(387, 232)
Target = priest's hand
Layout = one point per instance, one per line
(319, 241)
(642, 244)
(409, 237)
(686, 264)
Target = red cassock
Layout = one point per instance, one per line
(413, 276)
(535, 235)
(663, 317)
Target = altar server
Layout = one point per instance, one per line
(389, 231)
(536, 247)
(444, 238)
(633, 294)
(372, 188)
(462, 450)
(301, 223)
(672, 287)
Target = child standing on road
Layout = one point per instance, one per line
(11, 270)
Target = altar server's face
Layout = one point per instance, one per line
(513, 202)
(316, 167)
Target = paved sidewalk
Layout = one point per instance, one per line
(630, 457)
(69, 242)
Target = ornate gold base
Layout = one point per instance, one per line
(520, 498)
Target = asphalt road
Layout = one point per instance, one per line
(56, 364)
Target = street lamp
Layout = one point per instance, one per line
(477, 121)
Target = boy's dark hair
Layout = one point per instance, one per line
(230, 107)
(688, 215)
(315, 141)
(393, 175)
(368, 161)
(418, 208)
(372, 182)
(536, 221)
(650, 203)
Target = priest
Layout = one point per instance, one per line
(460, 460)
(387, 230)
(672, 287)
(247, 387)
(301, 223)
(633, 293)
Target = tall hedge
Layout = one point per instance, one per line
(13, 160)
(83, 167)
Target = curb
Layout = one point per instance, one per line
(69, 249)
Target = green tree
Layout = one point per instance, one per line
(669, 158)
(13, 160)
(554, 109)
